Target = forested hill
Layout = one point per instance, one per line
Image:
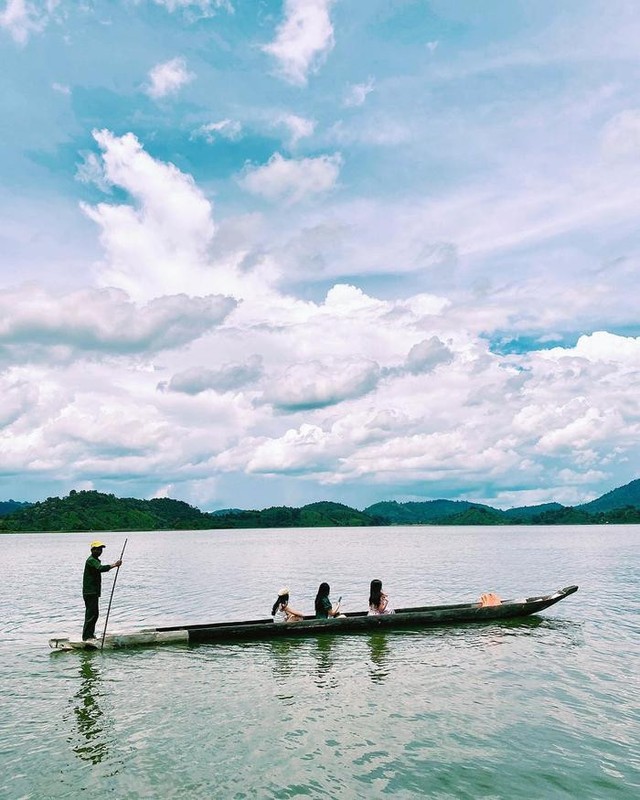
(429, 512)
(621, 497)
(464, 513)
(94, 511)
(314, 515)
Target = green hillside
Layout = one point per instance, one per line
(524, 514)
(338, 514)
(621, 505)
(477, 515)
(565, 515)
(622, 497)
(314, 515)
(393, 512)
(416, 513)
(94, 511)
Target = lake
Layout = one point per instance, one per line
(548, 707)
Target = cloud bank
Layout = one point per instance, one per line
(295, 281)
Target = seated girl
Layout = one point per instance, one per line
(378, 600)
(323, 605)
(282, 611)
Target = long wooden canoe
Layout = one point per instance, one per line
(259, 629)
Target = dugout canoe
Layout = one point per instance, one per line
(353, 622)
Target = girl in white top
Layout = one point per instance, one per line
(282, 611)
(378, 600)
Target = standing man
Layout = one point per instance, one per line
(91, 585)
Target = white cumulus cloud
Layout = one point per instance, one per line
(318, 384)
(303, 40)
(426, 355)
(305, 450)
(292, 179)
(224, 129)
(298, 127)
(158, 245)
(21, 18)
(35, 322)
(602, 346)
(168, 78)
(195, 380)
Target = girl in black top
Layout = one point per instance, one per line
(323, 605)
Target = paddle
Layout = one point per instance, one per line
(106, 621)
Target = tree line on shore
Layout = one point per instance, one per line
(96, 511)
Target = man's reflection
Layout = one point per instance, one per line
(89, 715)
(379, 652)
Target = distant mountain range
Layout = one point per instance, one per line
(95, 511)
(620, 505)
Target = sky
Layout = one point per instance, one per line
(271, 252)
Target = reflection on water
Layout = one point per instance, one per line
(283, 652)
(323, 656)
(90, 719)
(284, 656)
(379, 653)
(325, 662)
(291, 656)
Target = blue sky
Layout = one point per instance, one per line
(256, 252)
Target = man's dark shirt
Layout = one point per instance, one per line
(92, 577)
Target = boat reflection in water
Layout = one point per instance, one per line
(90, 718)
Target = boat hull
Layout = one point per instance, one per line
(427, 616)
(257, 630)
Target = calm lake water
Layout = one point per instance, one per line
(544, 708)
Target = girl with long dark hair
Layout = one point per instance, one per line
(323, 605)
(378, 600)
(282, 611)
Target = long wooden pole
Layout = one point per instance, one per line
(106, 621)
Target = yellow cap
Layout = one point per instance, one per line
(283, 591)
(97, 544)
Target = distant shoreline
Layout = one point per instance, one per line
(529, 526)
(95, 512)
